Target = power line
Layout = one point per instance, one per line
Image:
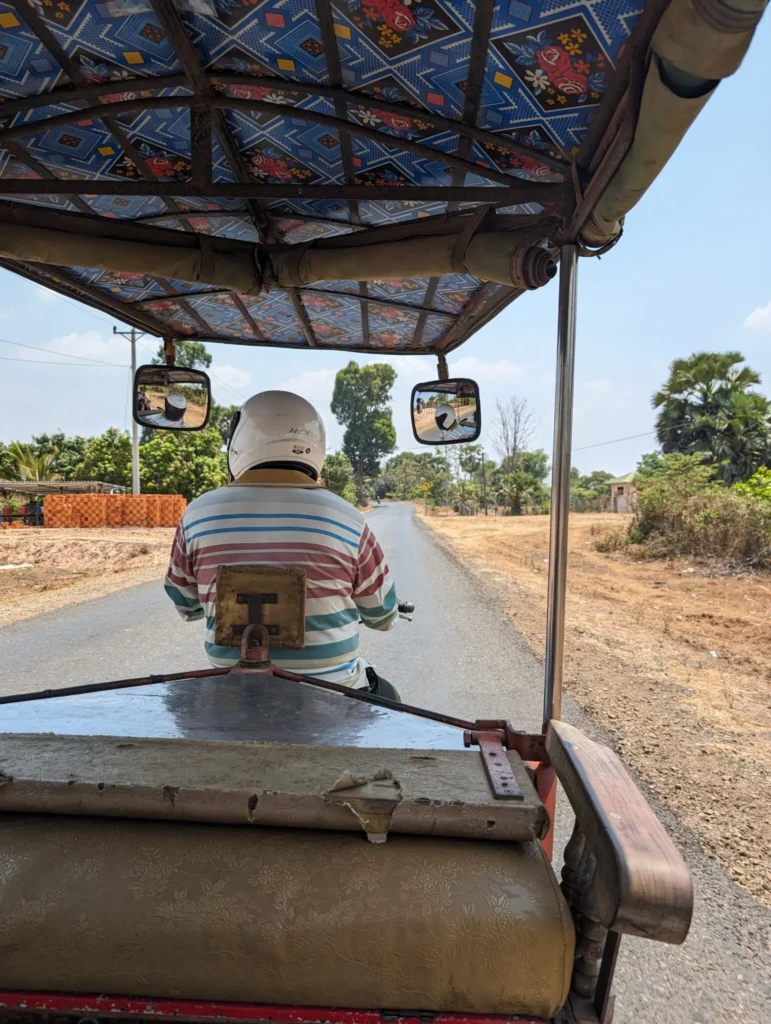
(55, 352)
(615, 440)
(51, 362)
(213, 376)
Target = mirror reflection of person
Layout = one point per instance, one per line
(447, 424)
(143, 402)
(172, 415)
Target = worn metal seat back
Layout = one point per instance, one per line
(271, 596)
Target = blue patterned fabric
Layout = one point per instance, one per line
(548, 65)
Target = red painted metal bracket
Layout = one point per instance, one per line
(184, 1011)
(500, 774)
(494, 737)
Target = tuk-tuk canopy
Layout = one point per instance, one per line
(364, 175)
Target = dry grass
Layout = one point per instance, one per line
(672, 661)
(71, 565)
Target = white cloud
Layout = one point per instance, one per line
(483, 370)
(231, 377)
(109, 348)
(45, 294)
(81, 347)
(315, 386)
(759, 319)
(600, 384)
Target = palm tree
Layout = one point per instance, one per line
(516, 488)
(30, 465)
(707, 407)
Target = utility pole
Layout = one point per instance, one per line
(484, 480)
(133, 338)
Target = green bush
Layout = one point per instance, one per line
(682, 511)
(758, 485)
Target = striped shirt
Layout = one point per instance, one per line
(281, 517)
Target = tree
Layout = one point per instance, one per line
(220, 417)
(589, 493)
(516, 488)
(192, 354)
(360, 402)
(337, 474)
(707, 407)
(512, 429)
(536, 463)
(68, 452)
(106, 458)
(8, 465)
(30, 464)
(183, 463)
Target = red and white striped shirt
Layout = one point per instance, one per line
(281, 517)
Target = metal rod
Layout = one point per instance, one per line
(502, 195)
(132, 337)
(107, 111)
(116, 684)
(134, 424)
(560, 486)
(603, 994)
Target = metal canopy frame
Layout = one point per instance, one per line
(215, 96)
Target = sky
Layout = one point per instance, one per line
(691, 273)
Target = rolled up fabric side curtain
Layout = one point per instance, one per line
(509, 258)
(697, 43)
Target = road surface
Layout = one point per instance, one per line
(461, 655)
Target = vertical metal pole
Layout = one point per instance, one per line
(134, 425)
(560, 486)
(484, 480)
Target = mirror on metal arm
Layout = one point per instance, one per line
(446, 411)
(171, 398)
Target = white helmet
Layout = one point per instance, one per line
(445, 417)
(276, 426)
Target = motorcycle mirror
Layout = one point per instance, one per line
(446, 411)
(171, 398)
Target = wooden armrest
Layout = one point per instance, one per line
(643, 885)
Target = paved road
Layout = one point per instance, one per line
(460, 654)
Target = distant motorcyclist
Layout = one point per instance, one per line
(275, 512)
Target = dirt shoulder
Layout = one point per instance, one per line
(675, 663)
(70, 566)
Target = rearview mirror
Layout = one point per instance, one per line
(171, 398)
(446, 411)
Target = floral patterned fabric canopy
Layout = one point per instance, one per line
(338, 106)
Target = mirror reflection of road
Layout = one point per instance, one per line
(460, 654)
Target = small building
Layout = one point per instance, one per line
(623, 493)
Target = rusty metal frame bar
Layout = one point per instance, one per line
(174, 28)
(480, 36)
(514, 195)
(335, 75)
(107, 111)
(20, 153)
(53, 278)
(335, 93)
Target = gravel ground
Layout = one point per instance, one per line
(460, 654)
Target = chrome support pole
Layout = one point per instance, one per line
(560, 486)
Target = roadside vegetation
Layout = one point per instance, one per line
(707, 493)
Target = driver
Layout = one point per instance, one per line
(173, 414)
(276, 512)
(447, 422)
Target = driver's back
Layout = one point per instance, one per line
(282, 517)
